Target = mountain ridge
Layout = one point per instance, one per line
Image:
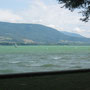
(35, 33)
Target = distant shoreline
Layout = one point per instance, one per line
(45, 45)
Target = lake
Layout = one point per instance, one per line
(43, 58)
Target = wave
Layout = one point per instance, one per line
(49, 65)
(15, 62)
(41, 65)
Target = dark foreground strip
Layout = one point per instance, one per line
(58, 80)
(35, 74)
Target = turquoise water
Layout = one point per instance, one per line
(43, 58)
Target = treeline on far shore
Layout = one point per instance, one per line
(27, 44)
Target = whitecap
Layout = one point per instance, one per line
(57, 57)
(14, 62)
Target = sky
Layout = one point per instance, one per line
(45, 12)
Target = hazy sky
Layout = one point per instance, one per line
(46, 12)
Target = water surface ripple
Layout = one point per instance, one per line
(43, 61)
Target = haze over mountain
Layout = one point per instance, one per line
(73, 34)
(36, 33)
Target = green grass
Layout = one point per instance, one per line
(44, 49)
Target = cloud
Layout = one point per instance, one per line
(81, 31)
(8, 16)
(52, 26)
(78, 30)
(49, 14)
